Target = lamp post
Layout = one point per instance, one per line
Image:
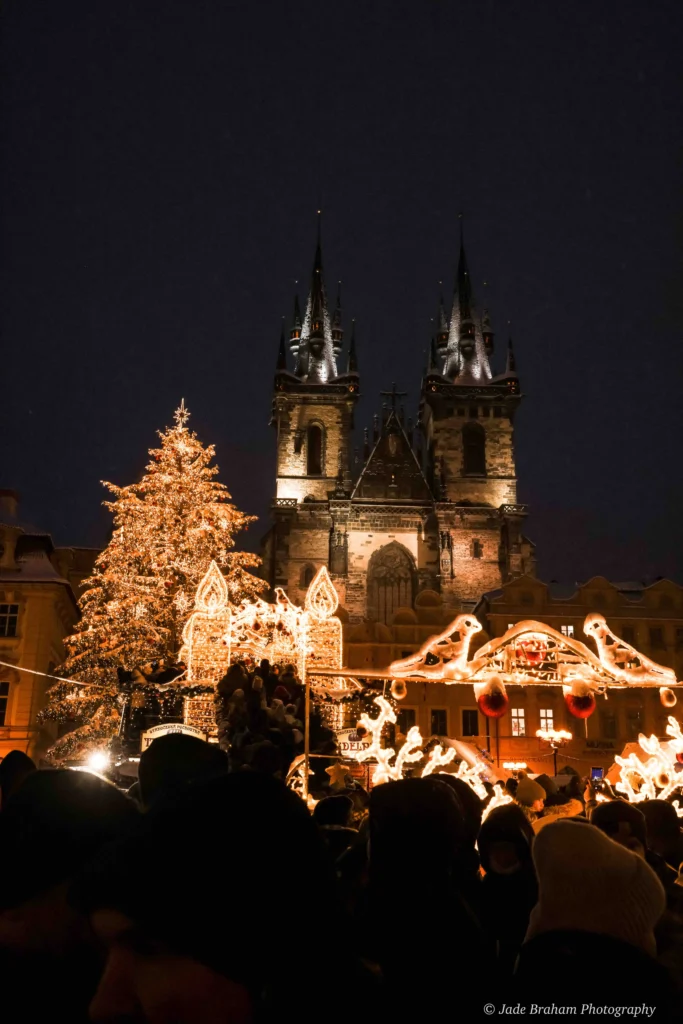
(556, 738)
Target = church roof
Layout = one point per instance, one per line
(392, 471)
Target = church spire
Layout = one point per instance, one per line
(510, 365)
(316, 335)
(441, 324)
(282, 351)
(466, 355)
(337, 329)
(353, 358)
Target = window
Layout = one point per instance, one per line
(679, 639)
(314, 450)
(473, 450)
(439, 722)
(470, 722)
(477, 549)
(461, 412)
(518, 723)
(547, 718)
(657, 637)
(9, 613)
(406, 718)
(526, 597)
(634, 723)
(474, 412)
(4, 698)
(497, 411)
(485, 411)
(567, 629)
(628, 635)
(608, 721)
(391, 582)
(307, 574)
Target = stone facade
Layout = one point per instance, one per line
(446, 521)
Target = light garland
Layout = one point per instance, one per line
(555, 737)
(621, 660)
(657, 777)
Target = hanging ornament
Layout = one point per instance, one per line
(667, 697)
(580, 699)
(492, 700)
(531, 651)
(398, 689)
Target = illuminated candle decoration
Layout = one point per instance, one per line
(206, 634)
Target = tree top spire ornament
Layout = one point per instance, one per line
(181, 415)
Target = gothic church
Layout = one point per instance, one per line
(430, 510)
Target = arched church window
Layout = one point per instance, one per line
(307, 574)
(391, 582)
(477, 549)
(474, 449)
(314, 450)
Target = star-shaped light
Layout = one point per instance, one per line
(181, 415)
(337, 773)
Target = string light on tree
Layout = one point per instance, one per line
(168, 527)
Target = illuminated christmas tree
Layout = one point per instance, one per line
(167, 529)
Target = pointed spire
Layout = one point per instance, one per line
(433, 363)
(337, 329)
(316, 335)
(441, 323)
(282, 351)
(466, 355)
(510, 365)
(353, 358)
(486, 329)
(295, 330)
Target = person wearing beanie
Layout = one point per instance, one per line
(557, 805)
(171, 762)
(529, 795)
(509, 888)
(549, 785)
(598, 905)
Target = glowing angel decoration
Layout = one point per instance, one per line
(657, 777)
(622, 661)
(441, 658)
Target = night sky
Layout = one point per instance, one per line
(163, 163)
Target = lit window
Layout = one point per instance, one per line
(9, 613)
(439, 722)
(4, 698)
(567, 629)
(470, 722)
(547, 718)
(518, 723)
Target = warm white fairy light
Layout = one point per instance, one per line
(451, 654)
(623, 661)
(515, 766)
(656, 778)
(438, 758)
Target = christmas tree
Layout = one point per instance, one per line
(167, 529)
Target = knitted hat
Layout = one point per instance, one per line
(620, 820)
(549, 785)
(528, 791)
(589, 883)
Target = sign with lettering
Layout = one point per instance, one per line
(349, 742)
(169, 727)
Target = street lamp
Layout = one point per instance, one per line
(556, 738)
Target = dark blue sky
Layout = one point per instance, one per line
(162, 167)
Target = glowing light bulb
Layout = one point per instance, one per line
(98, 761)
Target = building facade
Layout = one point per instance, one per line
(38, 608)
(433, 509)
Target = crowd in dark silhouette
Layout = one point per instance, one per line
(211, 894)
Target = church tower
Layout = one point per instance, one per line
(467, 415)
(313, 406)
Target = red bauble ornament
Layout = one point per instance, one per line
(493, 705)
(679, 758)
(531, 651)
(168, 583)
(580, 707)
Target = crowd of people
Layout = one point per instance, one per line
(211, 894)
